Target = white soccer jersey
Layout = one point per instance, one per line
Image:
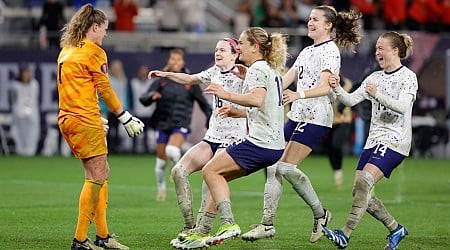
(387, 126)
(309, 64)
(265, 123)
(224, 130)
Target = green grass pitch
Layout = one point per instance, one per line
(39, 204)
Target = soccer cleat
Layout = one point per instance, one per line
(174, 242)
(225, 232)
(318, 225)
(110, 242)
(77, 245)
(258, 232)
(185, 232)
(395, 237)
(194, 241)
(337, 237)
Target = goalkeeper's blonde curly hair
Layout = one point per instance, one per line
(76, 29)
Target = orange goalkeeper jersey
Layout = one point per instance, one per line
(82, 74)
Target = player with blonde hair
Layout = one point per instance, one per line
(311, 114)
(265, 54)
(392, 91)
(82, 76)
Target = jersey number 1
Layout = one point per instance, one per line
(59, 72)
(279, 82)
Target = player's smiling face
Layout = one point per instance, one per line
(223, 56)
(246, 49)
(385, 54)
(318, 26)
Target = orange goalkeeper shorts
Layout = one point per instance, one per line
(84, 141)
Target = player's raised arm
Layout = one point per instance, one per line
(182, 78)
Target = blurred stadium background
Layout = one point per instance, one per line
(20, 43)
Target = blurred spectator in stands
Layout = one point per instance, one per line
(394, 14)
(194, 12)
(25, 127)
(50, 23)
(2, 7)
(145, 142)
(117, 136)
(424, 15)
(104, 4)
(16, 3)
(243, 17)
(304, 8)
(445, 17)
(429, 123)
(258, 13)
(78, 3)
(339, 5)
(169, 15)
(125, 11)
(269, 14)
(369, 10)
(288, 13)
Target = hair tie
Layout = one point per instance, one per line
(269, 39)
(233, 44)
(254, 38)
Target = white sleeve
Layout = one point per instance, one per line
(402, 105)
(349, 99)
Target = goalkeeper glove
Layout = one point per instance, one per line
(132, 125)
(105, 125)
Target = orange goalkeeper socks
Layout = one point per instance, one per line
(89, 198)
(100, 212)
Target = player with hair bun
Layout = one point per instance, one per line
(311, 114)
(82, 76)
(266, 55)
(392, 91)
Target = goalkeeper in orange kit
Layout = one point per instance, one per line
(82, 76)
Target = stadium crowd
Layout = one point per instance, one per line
(424, 15)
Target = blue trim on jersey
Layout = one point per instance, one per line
(382, 157)
(228, 71)
(392, 72)
(317, 45)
